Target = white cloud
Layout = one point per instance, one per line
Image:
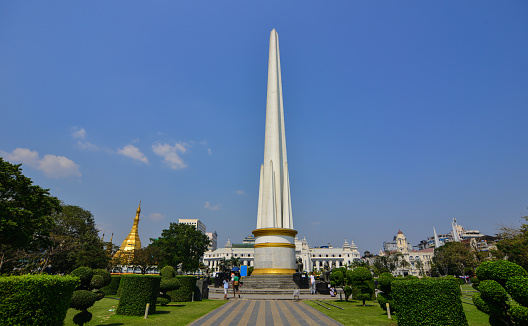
(240, 192)
(78, 133)
(170, 154)
(314, 223)
(53, 166)
(209, 151)
(213, 208)
(133, 152)
(87, 145)
(156, 216)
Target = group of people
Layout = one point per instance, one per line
(235, 284)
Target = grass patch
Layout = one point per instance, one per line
(355, 314)
(176, 313)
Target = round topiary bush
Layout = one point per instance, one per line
(169, 284)
(97, 282)
(384, 282)
(492, 291)
(519, 314)
(163, 300)
(517, 287)
(500, 271)
(107, 277)
(82, 299)
(82, 318)
(167, 272)
(474, 282)
(85, 274)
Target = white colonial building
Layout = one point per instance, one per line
(312, 258)
(409, 261)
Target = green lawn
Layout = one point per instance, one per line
(355, 314)
(176, 313)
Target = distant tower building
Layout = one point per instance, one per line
(398, 243)
(214, 242)
(198, 225)
(132, 241)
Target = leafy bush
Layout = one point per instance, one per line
(428, 302)
(491, 291)
(35, 299)
(136, 292)
(517, 287)
(497, 280)
(474, 282)
(519, 315)
(111, 289)
(168, 272)
(185, 291)
(85, 274)
(107, 277)
(82, 299)
(384, 282)
(362, 280)
(500, 271)
(97, 282)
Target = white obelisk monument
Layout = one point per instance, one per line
(274, 236)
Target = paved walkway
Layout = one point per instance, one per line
(264, 313)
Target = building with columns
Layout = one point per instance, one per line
(312, 258)
(409, 261)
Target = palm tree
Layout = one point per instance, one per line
(234, 261)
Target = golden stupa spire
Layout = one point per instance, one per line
(132, 241)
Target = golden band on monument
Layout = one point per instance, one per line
(274, 244)
(274, 231)
(275, 271)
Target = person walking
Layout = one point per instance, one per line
(236, 284)
(226, 286)
(312, 283)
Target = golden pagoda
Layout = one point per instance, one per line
(131, 243)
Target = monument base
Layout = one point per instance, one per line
(274, 251)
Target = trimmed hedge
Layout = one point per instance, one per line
(85, 274)
(428, 302)
(186, 290)
(136, 292)
(35, 299)
(111, 289)
(499, 270)
(107, 277)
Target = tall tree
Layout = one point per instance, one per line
(145, 258)
(514, 244)
(25, 213)
(75, 241)
(454, 258)
(181, 244)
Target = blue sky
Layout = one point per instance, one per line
(399, 115)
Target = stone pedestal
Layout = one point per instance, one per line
(274, 251)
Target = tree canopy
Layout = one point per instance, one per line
(454, 258)
(181, 244)
(514, 244)
(25, 213)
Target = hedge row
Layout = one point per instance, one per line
(111, 289)
(35, 299)
(136, 292)
(186, 290)
(428, 302)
